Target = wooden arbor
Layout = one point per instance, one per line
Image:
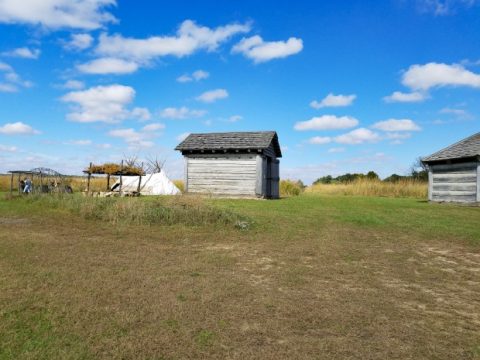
(112, 169)
(44, 180)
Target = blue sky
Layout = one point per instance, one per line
(349, 86)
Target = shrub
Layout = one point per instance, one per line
(291, 188)
(185, 210)
(180, 184)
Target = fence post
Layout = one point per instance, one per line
(88, 179)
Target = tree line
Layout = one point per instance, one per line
(418, 171)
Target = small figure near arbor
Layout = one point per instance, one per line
(28, 186)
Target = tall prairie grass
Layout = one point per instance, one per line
(180, 184)
(184, 210)
(365, 187)
(290, 188)
(78, 183)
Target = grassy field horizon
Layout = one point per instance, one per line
(312, 276)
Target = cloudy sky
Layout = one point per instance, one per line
(348, 85)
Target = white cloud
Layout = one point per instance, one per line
(79, 142)
(320, 140)
(108, 66)
(398, 137)
(184, 78)
(138, 139)
(73, 85)
(7, 148)
(55, 14)
(195, 76)
(189, 38)
(182, 136)
(153, 127)
(460, 113)
(200, 75)
(18, 128)
(431, 75)
(396, 125)
(327, 122)
(5, 67)
(79, 42)
(213, 95)
(443, 7)
(8, 88)
(358, 136)
(332, 100)
(12, 80)
(141, 113)
(102, 104)
(399, 96)
(235, 118)
(23, 52)
(336, 150)
(259, 51)
(181, 113)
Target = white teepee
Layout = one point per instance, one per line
(151, 184)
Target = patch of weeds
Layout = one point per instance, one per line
(171, 324)
(243, 225)
(195, 274)
(220, 260)
(222, 324)
(181, 297)
(475, 352)
(205, 338)
(295, 276)
(270, 307)
(30, 332)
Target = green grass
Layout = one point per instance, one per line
(310, 277)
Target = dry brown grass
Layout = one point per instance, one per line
(185, 210)
(78, 183)
(305, 284)
(365, 187)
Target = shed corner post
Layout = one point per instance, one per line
(185, 174)
(478, 181)
(259, 177)
(430, 183)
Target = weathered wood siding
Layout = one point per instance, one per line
(454, 183)
(225, 174)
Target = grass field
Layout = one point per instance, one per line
(312, 277)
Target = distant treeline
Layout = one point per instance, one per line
(417, 172)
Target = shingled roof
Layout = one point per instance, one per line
(258, 140)
(466, 148)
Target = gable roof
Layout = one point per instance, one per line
(466, 148)
(255, 140)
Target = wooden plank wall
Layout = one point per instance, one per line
(226, 174)
(454, 183)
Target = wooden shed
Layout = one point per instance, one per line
(454, 172)
(243, 164)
